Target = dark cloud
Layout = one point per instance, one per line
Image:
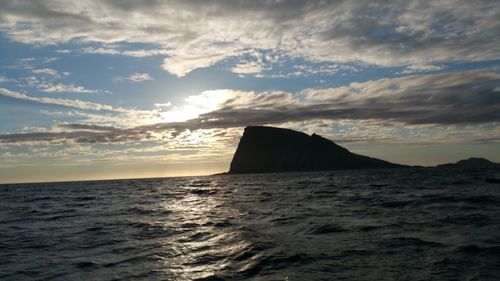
(40, 10)
(455, 98)
(441, 99)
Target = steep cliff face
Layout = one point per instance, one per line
(268, 149)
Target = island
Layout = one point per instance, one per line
(269, 150)
(471, 163)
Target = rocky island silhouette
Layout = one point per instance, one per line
(270, 149)
(264, 149)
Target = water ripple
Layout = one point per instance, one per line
(347, 225)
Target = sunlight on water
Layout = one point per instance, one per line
(371, 225)
(194, 213)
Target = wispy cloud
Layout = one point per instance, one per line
(417, 68)
(304, 70)
(92, 112)
(254, 63)
(49, 59)
(116, 50)
(62, 88)
(40, 82)
(135, 77)
(247, 67)
(388, 34)
(44, 79)
(100, 50)
(73, 103)
(47, 71)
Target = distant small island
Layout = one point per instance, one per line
(471, 163)
(265, 149)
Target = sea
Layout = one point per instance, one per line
(402, 224)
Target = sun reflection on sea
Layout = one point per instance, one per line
(203, 243)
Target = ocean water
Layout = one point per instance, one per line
(409, 224)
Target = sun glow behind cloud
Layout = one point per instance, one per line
(196, 105)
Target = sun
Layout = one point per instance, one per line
(196, 105)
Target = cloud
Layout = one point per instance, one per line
(39, 81)
(195, 34)
(302, 70)
(79, 104)
(100, 51)
(453, 98)
(144, 53)
(135, 77)
(62, 88)
(108, 114)
(49, 59)
(416, 68)
(195, 105)
(47, 71)
(247, 67)
(411, 103)
(116, 50)
(81, 136)
(251, 65)
(183, 62)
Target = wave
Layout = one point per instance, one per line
(346, 225)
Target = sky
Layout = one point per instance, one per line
(125, 89)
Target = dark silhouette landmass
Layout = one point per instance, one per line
(473, 166)
(269, 150)
(471, 163)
